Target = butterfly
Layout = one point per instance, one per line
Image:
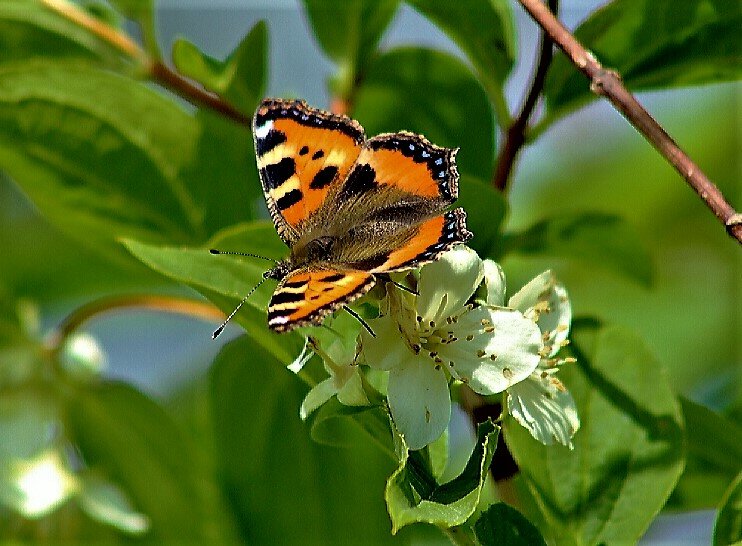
(349, 208)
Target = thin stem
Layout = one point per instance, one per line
(170, 304)
(516, 134)
(607, 83)
(155, 69)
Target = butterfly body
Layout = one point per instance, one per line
(349, 209)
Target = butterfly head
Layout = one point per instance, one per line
(280, 270)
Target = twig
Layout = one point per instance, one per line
(607, 83)
(516, 134)
(155, 69)
(170, 304)
(197, 96)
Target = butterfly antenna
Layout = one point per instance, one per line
(215, 251)
(359, 319)
(233, 313)
(405, 288)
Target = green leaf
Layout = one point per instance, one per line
(284, 488)
(349, 31)
(240, 78)
(596, 239)
(485, 32)
(503, 525)
(98, 154)
(105, 502)
(711, 438)
(652, 44)
(728, 528)
(628, 452)
(126, 436)
(134, 9)
(486, 210)
(413, 495)
(28, 30)
(432, 93)
(219, 276)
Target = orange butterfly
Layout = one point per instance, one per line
(347, 207)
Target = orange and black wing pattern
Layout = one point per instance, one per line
(306, 296)
(302, 153)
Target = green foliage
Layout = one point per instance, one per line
(503, 525)
(652, 44)
(728, 529)
(628, 452)
(414, 495)
(349, 32)
(99, 161)
(596, 239)
(485, 31)
(434, 94)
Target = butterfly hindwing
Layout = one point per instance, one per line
(302, 153)
(306, 295)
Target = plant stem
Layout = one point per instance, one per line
(155, 69)
(515, 136)
(170, 304)
(607, 83)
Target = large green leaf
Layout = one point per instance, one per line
(98, 154)
(596, 239)
(486, 209)
(28, 29)
(652, 44)
(222, 175)
(503, 525)
(431, 93)
(240, 78)
(226, 279)
(628, 452)
(286, 489)
(728, 528)
(484, 30)
(413, 494)
(124, 434)
(349, 32)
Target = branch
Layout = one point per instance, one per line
(516, 134)
(607, 83)
(155, 69)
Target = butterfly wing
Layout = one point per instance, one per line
(390, 213)
(306, 296)
(302, 153)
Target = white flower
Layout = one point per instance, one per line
(423, 340)
(541, 403)
(345, 378)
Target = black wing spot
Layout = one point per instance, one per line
(360, 180)
(289, 199)
(286, 297)
(318, 154)
(324, 177)
(304, 150)
(276, 174)
(271, 140)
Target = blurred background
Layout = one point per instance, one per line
(690, 315)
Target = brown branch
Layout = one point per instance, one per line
(170, 304)
(159, 72)
(607, 83)
(516, 133)
(196, 95)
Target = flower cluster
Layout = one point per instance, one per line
(457, 327)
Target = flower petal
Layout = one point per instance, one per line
(494, 349)
(386, 350)
(446, 285)
(545, 408)
(419, 400)
(546, 302)
(494, 281)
